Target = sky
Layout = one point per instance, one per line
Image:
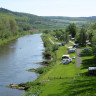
(70, 8)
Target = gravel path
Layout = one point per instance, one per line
(72, 42)
(51, 41)
(78, 61)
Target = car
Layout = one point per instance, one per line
(73, 57)
(66, 61)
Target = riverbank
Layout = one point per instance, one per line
(3, 41)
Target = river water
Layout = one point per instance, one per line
(16, 57)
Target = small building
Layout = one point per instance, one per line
(92, 70)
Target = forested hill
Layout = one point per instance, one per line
(29, 21)
(71, 18)
(67, 20)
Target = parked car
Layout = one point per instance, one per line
(73, 57)
(72, 50)
(59, 44)
(75, 45)
(63, 44)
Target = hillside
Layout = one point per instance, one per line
(30, 21)
(67, 20)
(27, 21)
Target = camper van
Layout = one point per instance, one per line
(66, 59)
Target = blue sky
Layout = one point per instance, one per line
(71, 8)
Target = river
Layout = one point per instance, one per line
(16, 57)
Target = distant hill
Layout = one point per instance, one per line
(28, 21)
(67, 20)
(71, 18)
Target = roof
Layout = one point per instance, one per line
(92, 68)
(70, 47)
(65, 56)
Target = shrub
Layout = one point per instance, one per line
(40, 70)
(55, 47)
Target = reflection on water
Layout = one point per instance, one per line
(16, 57)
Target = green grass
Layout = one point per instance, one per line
(57, 87)
(75, 83)
(69, 44)
(60, 70)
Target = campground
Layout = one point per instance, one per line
(66, 79)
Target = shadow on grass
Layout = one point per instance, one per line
(88, 63)
(87, 53)
(82, 86)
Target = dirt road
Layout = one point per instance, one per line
(78, 61)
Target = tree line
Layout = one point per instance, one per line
(80, 34)
(8, 27)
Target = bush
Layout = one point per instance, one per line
(87, 53)
(47, 53)
(28, 84)
(55, 47)
(40, 70)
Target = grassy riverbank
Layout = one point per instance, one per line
(64, 79)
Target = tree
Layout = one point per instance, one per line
(13, 26)
(67, 37)
(58, 34)
(94, 44)
(94, 26)
(72, 29)
(91, 34)
(83, 35)
(46, 31)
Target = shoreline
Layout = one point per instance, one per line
(29, 32)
